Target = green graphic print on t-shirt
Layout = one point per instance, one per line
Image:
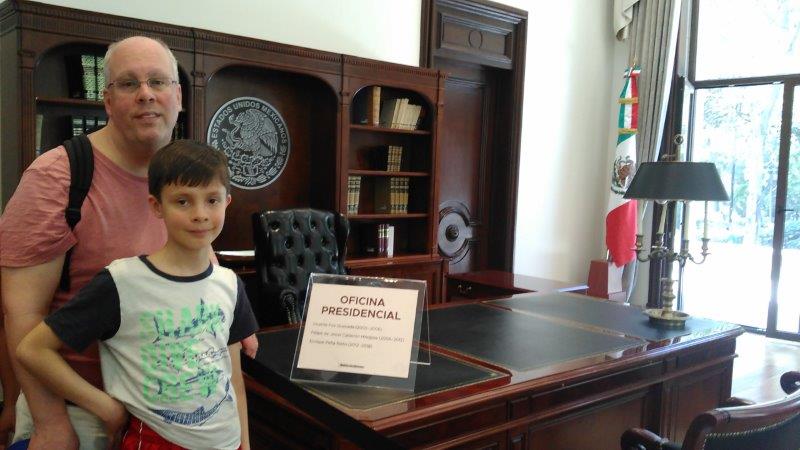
(179, 364)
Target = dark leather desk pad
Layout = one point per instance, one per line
(276, 351)
(625, 319)
(516, 340)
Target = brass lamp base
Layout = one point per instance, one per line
(666, 317)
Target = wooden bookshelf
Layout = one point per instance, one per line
(317, 93)
(66, 101)
(379, 129)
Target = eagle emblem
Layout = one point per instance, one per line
(255, 139)
(621, 174)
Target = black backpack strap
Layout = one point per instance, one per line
(81, 169)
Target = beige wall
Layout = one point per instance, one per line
(571, 86)
(570, 90)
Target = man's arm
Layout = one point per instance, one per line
(27, 293)
(38, 352)
(10, 388)
(241, 396)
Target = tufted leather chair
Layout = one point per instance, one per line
(290, 245)
(746, 426)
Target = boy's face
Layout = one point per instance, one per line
(194, 216)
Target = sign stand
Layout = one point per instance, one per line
(362, 331)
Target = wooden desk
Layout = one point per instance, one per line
(488, 284)
(539, 371)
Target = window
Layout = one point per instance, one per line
(745, 69)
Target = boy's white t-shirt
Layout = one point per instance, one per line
(163, 350)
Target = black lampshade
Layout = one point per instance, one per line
(677, 181)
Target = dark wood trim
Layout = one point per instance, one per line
(499, 172)
(661, 386)
(780, 204)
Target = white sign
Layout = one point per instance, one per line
(359, 329)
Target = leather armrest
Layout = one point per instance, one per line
(736, 401)
(288, 299)
(641, 439)
(283, 299)
(790, 381)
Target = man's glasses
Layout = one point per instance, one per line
(130, 86)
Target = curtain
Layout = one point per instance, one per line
(651, 26)
(653, 42)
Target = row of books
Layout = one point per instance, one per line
(388, 158)
(353, 193)
(390, 112)
(391, 195)
(85, 124)
(399, 113)
(385, 240)
(85, 76)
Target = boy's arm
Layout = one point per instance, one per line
(27, 293)
(38, 353)
(241, 396)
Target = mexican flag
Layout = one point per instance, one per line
(621, 216)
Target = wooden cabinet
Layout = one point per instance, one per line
(488, 284)
(318, 95)
(367, 142)
(37, 40)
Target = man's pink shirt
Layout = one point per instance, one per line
(116, 223)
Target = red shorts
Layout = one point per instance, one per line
(141, 437)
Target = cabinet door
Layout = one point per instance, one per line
(430, 272)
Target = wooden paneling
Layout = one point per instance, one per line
(308, 106)
(693, 395)
(481, 46)
(312, 90)
(600, 428)
(415, 268)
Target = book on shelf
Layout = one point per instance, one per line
(404, 185)
(353, 193)
(89, 124)
(391, 195)
(387, 112)
(398, 112)
(388, 158)
(100, 76)
(85, 124)
(77, 123)
(385, 242)
(89, 77)
(389, 237)
(85, 77)
(409, 117)
(374, 106)
(381, 239)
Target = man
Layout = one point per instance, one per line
(142, 100)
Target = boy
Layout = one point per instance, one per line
(170, 323)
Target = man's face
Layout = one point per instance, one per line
(146, 117)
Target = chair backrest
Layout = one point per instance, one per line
(774, 425)
(290, 245)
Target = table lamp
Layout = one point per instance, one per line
(669, 181)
